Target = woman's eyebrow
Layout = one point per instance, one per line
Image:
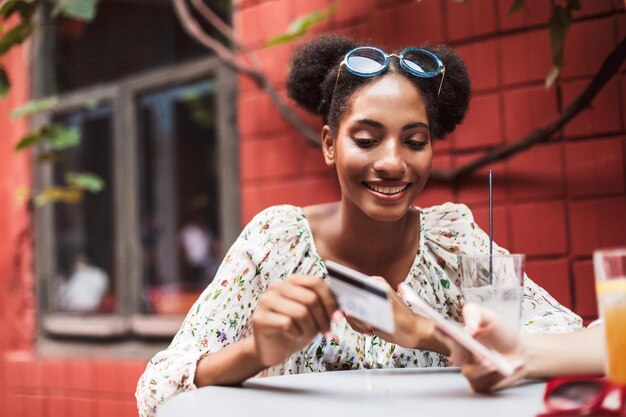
(378, 125)
(370, 122)
(414, 125)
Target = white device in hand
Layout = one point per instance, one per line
(457, 333)
(360, 296)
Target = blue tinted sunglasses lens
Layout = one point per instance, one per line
(419, 61)
(366, 61)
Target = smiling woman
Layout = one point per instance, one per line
(269, 309)
(382, 150)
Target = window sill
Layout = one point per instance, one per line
(156, 325)
(108, 326)
(49, 348)
(111, 326)
(141, 336)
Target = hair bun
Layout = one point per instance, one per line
(456, 91)
(310, 64)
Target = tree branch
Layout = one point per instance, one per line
(608, 69)
(214, 20)
(229, 58)
(225, 54)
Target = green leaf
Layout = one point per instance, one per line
(5, 83)
(48, 157)
(91, 104)
(319, 352)
(301, 25)
(85, 181)
(62, 137)
(29, 140)
(26, 8)
(444, 283)
(15, 36)
(35, 106)
(516, 6)
(8, 7)
(68, 195)
(559, 25)
(84, 10)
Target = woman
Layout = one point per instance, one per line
(269, 309)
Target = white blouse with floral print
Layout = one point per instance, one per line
(277, 243)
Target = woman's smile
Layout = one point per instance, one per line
(387, 191)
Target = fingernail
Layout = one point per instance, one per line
(337, 316)
(471, 324)
(471, 318)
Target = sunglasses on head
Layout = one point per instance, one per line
(584, 396)
(367, 61)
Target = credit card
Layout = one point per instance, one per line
(359, 296)
(457, 333)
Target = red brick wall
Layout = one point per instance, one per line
(70, 387)
(556, 202)
(16, 290)
(16, 278)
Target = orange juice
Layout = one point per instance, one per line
(612, 302)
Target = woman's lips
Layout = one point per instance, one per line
(387, 192)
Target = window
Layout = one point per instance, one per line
(131, 259)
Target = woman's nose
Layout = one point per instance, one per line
(389, 161)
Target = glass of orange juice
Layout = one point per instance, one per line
(610, 271)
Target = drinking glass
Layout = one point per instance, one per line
(610, 271)
(495, 282)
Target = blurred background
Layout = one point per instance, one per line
(143, 148)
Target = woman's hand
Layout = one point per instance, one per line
(290, 313)
(411, 330)
(488, 329)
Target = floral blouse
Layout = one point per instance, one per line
(277, 243)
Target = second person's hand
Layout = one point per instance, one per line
(488, 329)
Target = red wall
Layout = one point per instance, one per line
(16, 278)
(14, 172)
(555, 203)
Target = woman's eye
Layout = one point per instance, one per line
(416, 144)
(364, 142)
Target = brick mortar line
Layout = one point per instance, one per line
(499, 33)
(94, 395)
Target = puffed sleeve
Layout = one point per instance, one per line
(262, 253)
(452, 232)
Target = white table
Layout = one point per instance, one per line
(394, 392)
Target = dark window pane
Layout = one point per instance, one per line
(84, 231)
(126, 37)
(179, 196)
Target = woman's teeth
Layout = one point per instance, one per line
(387, 190)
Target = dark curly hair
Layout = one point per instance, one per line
(314, 67)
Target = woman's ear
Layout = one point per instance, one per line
(328, 145)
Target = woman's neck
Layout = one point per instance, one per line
(370, 245)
